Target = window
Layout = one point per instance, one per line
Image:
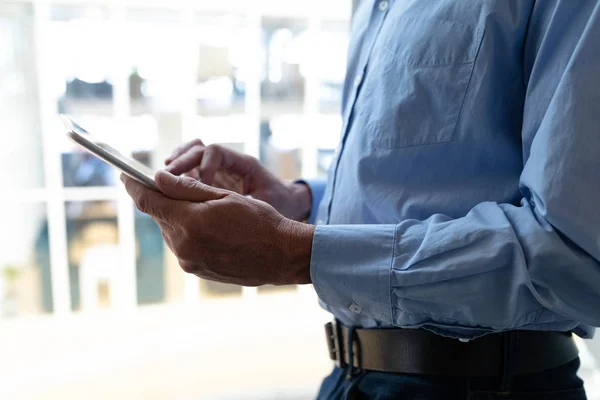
(148, 77)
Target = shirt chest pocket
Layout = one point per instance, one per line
(416, 81)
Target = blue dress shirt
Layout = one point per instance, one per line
(464, 197)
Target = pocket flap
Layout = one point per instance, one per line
(423, 42)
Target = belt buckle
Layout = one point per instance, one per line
(334, 343)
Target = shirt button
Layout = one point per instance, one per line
(464, 340)
(320, 222)
(355, 308)
(383, 5)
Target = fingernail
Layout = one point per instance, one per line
(166, 178)
(122, 178)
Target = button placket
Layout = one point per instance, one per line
(377, 21)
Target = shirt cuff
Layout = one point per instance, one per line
(350, 268)
(317, 188)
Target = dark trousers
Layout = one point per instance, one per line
(560, 383)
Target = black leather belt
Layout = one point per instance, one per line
(416, 351)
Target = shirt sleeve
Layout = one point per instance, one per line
(535, 265)
(317, 189)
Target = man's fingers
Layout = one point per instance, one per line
(212, 160)
(217, 158)
(151, 202)
(187, 189)
(182, 149)
(187, 160)
(208, 160)
(228, 181)
(195, 173)
(204, 162)
(192, 173)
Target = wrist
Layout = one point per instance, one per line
(297, 239)
(301, 199)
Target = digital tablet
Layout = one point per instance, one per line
(107, 153)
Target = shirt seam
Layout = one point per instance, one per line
(426, 65)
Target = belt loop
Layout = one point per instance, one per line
(338, 343)
(351, 370)
(350, 347)
(509, 362)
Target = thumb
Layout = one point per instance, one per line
(185, 188)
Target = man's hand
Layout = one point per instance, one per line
(223, 236)
(224, 168)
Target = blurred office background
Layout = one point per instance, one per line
(92, 304)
